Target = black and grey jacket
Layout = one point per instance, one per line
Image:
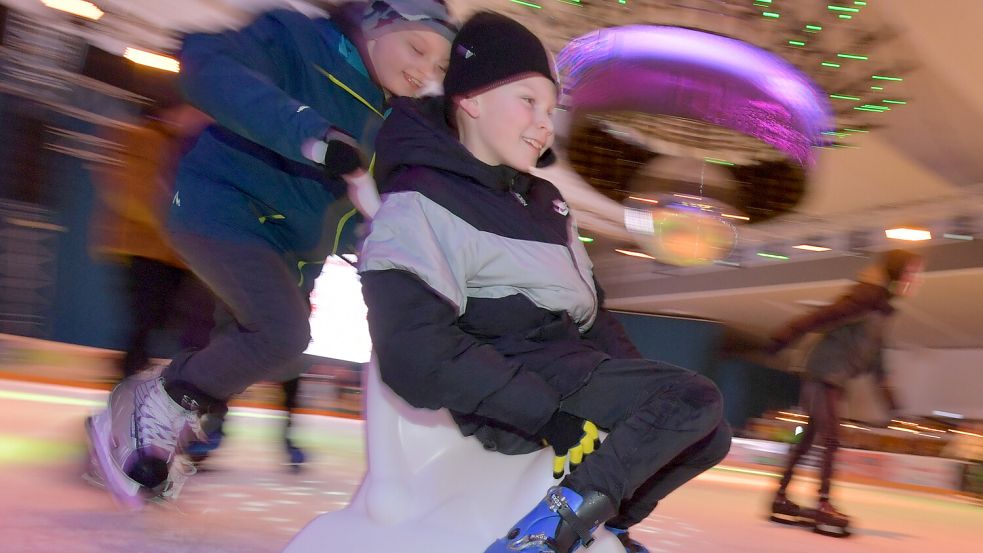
(481, 298)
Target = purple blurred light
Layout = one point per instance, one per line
(697, 75)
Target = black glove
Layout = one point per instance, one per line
(343, 156)
(571, 437)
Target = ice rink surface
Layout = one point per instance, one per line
(248, 501)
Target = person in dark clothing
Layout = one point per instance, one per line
(261, 202)
(129, 227)
(849, 343)
(481, 300)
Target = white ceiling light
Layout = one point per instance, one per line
(634, 254)
(910, 234)
(151, 59)
(811, 248)
(80, 8)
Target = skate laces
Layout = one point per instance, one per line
(159, 420)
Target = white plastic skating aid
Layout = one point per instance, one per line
(429, 489)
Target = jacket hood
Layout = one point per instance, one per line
(348, 17)
(417, 134)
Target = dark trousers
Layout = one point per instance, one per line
(665, 427)
(268, 302)
(158, 294)
(821, 402)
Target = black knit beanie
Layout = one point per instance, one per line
(492, 50)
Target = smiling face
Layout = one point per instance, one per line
(405, 61)
(510, 124)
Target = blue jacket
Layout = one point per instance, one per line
(281, 81)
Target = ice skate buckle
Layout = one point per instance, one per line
(558, 504)
(532, 540)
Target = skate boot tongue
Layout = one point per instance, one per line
(162, 422)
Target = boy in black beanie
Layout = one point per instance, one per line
(481, 300)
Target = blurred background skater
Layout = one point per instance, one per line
(129, 227)
(849, 344)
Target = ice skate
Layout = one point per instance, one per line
(560, 523)
(295, 455)
(785, 511)
(199, 450)
(135, 439)
(830, 522)
(631, 546)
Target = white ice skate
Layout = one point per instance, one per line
(135, 440)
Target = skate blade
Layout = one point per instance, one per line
(127, 497)
(790, 520)
(831, 531)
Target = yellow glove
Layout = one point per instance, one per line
(589, 442)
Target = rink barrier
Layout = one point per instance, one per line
(45, 362)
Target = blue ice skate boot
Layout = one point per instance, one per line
(199, 450)
(631, 546)
(560, 523)
(295, 455)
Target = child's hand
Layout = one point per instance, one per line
(342, 156)
(572, 438)
(363, 193)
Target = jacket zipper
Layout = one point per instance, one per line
(573, 256)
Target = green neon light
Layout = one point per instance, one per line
(859, 3)
(883, 78)
(877, 88)
(828, 64)
(894, 102)
(842, 9)
(796, 43)
(529, 4)
(846, 16)
(772, 15)
(49, 398)
(718, 161)
(844, 97)
(571, 2)
(855, 130)
(813, 28)
(861, 108)
(585, 239)
(851, 56)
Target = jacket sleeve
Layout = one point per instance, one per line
(608, 333)
(415, 291)
(860, 299)
(237, 77)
